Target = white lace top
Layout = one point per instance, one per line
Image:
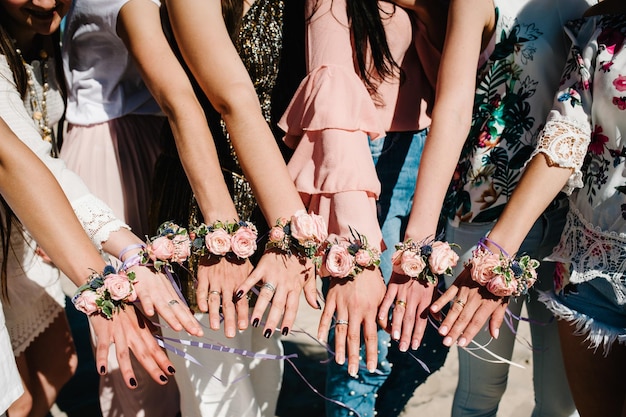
(585, 132)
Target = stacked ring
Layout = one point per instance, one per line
(269, 286)
(215, 292)
(172, 302)
(460, 302)
(338, 322)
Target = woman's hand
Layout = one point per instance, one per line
(411, 299)
(354, 303)
(283, 277)
(218, 280)
(472, 306)
(130, 330)
(156, 294)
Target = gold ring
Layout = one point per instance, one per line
(215, 292)
(338, 322)
(460, 302)
(172, 302)
(269, 286)
(401, 303)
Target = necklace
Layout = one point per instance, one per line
(39, 107)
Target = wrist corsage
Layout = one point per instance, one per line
(347, 258)
(224, 239)
(171, 244)
(425, 260)
(502, 274)
(105, 293)
(301, 235)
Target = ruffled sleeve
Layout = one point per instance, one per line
(329, 123)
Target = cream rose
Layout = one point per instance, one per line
(482, 267)
(303, 227)
(218, 242)
(412, 264)
(277, 234)
(443, 258)
(363, 258)
(118, 286)
(161, 248)
(339, 263)
(86, 302)
(244, 242)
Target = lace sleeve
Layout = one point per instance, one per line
(97, 219)
(564, 143)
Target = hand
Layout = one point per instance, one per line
(473, 305)
(156, 294)
(129, 329)
(218, 278)
(355, 301)
(410, 313)
(283, 277)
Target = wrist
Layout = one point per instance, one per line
(424, 260)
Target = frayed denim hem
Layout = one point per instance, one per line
(598, 333)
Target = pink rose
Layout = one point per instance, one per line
(412, 264)
(339, 263)
(244, 242)
(443, 258)
(161, 248)
(482, 267)
(218, 242)
(499, 287)
(118, 286)
(277, 234)
(303, 227)
(396, 262)
(363, 258)
(321, 232)
(86, 302)
(182, 248)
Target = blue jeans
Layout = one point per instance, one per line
(482, 384)
(398, 374)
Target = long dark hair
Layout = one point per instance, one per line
(232, 12)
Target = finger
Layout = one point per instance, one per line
(215, 316)
(397, 317)
(242, 308)
(277, 308)
(385, 306)
(370, 337)
(419, 326)
(444, 299)
(103, 342)
(310, 292)
(458, 303)
(459, 327)
(341, 334)
(123, 355)
(266, 293)
(291, 310)
(253, 278)
(202, 290)
(147, 305)
(167, 311)
(187, 319)
(325, 320)
(496, 320)
(149, 354)
(229, 313)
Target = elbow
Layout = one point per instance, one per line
(236, 98)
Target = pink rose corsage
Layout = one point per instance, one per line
(502, 274)
(425, 260)
(220, 238)
(171, 244)
(302, 235)
(105, 293)
(346, 258)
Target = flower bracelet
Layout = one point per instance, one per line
(220, 238)
(171, 244)
(347, 258)
(105, 293)
(302, 235)
(425, 260)
(502, 274)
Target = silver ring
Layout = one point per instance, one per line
(172, 302)
(338, 322)
(269, 287)
(215, 292)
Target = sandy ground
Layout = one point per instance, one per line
(434, 398)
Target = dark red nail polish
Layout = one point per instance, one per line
(319, 306)
(163, 378)
(171, 370)
(255, 323)
(285, 331)
(239, 294)
(267, 334)
(133, 382)
(103, 370)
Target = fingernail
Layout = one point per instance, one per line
(163, 378)
(443, 330)
(396, 335)
(255, 323)
(319, 306)
(415, 345)
(103, 370)
(285, 331)
(496, 333)
(404, 346)
(171, 370)
(434, 308)
(340, 360)
(230, 333)
(371, 369)
(267, 334)
(352, 371)
(239, 294)
(447, 341)
(462, 342)
(133, 382)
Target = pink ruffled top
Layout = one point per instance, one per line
(332, 117)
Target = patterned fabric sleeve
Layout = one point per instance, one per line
(566, 135)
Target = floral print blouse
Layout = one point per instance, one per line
(584, 131)
(514, 91)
